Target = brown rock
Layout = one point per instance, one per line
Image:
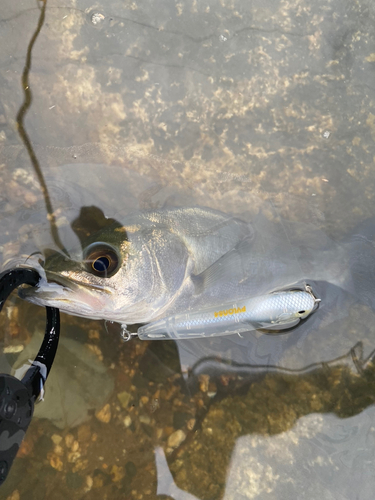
(176, 438)
(117, 473)
(104, 415)
(69, 440)
(55, 462)
(14, 496)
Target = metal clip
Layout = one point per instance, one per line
(126, 335)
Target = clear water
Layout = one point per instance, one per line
(231, 105)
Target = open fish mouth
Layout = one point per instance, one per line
(64, 293)
(53, 287)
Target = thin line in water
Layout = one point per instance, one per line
(23, 134)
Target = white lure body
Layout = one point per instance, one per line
(277, 311)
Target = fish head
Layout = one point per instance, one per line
(120, 274)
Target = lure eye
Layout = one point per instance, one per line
(102, 260)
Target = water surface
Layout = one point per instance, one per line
(232, 105)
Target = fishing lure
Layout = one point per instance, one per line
(274, 311)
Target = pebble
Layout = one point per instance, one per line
(144, 400)
(98, 482)
(69, 439)
(190, 424)
(89, 483)
(55, 462)
(117, 473)
(127, 421)
(56, 438)
(58, 450)
(145, 419)
(75, 446)
(176, 438)
(124, 398)
(14, 496)
(104, 415)
(80, 464)
(73, 456)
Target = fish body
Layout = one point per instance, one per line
(159, 255)
(161, 263)
(276, 310)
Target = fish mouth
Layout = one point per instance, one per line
(66, 294)
(52, 287)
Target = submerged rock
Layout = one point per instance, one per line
(77, 385)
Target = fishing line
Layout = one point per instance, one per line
(24, 136)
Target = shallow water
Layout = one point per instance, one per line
(238, 106)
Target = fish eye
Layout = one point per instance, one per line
(101, 259)
(301, 312)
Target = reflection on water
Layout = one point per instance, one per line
(233, 106)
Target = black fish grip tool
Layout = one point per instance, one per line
(17, 397)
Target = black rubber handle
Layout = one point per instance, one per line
(13, 278)
(17, 397)
(16, 411)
